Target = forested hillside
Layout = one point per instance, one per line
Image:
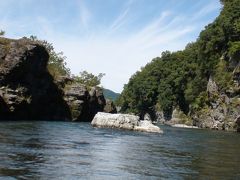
(109, 94)
(182, 80)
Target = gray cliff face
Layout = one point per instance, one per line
(222, 111)
(29, 92)
(110, 107)
(212, 88)
(27, 88)
(238, 123)
(76, 97)
(84, 104)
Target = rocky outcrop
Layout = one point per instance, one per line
(222, 111)
(76, 97)
(29, 92)
(147, 117)
(120, 121)
(97, 101)
(213, 118)
(123, 121)
(236, 81)
(147, 126)
(238, 123)
(212, 88)
(178, 117)
(110, 107)
(159, 117)
(84, 104)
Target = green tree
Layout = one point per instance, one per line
(2, 33)
(179, 79)
(89, 79)
(57, 61)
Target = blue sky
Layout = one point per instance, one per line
(115, 37)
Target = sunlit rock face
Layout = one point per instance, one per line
(110, 107)
(84, 104)
(123, 121)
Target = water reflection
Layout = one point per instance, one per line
(46, 150)
(18, 157)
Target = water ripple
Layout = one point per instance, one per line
(62, 150)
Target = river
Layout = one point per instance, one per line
(64, 150)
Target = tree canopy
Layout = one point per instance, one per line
(89, 79)
(180, 78)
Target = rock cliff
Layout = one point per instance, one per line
(27, 88)
(84, 104)
(222, 110)
(29, 92)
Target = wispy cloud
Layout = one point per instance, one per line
(122, 18)
(110, 51)
(120, 21)
(85, 14)
(209, 8)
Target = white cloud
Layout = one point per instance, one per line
(117, 55)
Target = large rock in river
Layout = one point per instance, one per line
(124, 121)
(84, 104)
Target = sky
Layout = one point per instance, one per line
(115, 37)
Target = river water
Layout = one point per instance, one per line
(63, 150)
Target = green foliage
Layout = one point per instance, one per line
(2, 33)
(199, 102)
(56, 64)
(180, 78)
(89, 79)
(223, 77)
(234, 48)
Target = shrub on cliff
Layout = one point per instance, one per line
(88, 79)
(56, 64)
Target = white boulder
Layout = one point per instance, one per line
(123, 121)
(184, 126)
(147, 126)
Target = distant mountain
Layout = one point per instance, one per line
(109, 94)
